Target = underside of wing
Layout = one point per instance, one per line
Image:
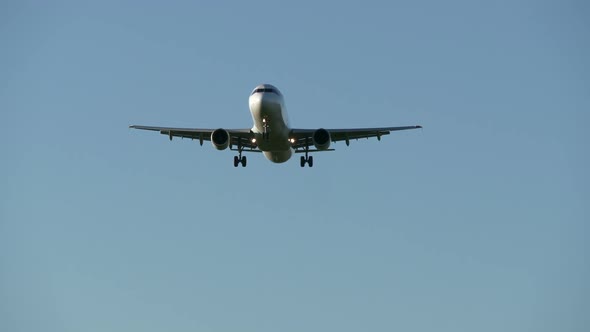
(304, 137)
(241, 137)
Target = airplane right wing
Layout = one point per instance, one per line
(304, 137)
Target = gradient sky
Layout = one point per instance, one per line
(478, 222)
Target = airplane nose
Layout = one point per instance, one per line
(265, 100)
(269, 101)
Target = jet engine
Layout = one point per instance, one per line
(220, 139)
(321, 139)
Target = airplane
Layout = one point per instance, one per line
(271, 134)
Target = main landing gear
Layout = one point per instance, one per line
(239, 159)
(308, 160)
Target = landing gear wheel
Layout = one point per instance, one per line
(302, 161)
(236, 161)
(244, 161)
(310, 161)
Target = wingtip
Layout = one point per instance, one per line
(419, 127)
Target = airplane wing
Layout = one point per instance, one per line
(303, 137)
(242, 136)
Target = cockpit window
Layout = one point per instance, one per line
(269, 90)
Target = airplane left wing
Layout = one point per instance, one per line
(238, 136)
(303, 137)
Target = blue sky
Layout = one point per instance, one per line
(478, 222)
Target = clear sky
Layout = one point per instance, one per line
(478, 222)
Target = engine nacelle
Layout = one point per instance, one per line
(220, 139)
(321, 139)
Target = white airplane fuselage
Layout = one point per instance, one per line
(271, 124)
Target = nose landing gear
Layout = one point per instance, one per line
(266, 129)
